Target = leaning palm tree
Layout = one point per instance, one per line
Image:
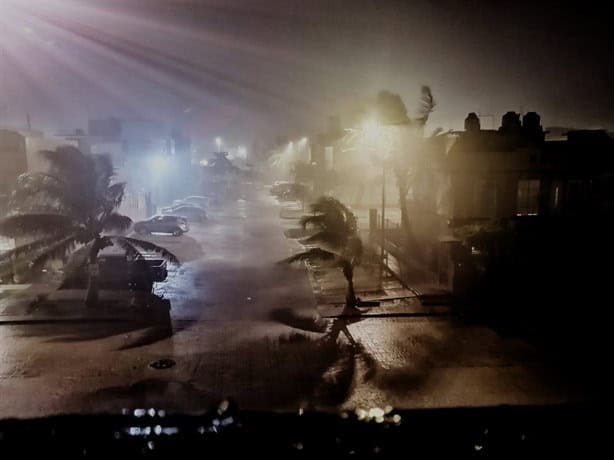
(72, 205)
(406, 160)
(337, 236)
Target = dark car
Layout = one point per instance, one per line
(162, 224)
(118, 271)
(188, 211)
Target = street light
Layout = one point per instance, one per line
(373, 135)
(218, 143)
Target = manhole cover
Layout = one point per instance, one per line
(162, 363)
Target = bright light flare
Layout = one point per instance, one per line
(371, 129)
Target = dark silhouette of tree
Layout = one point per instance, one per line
(220, 165)
(337, 236)
(73, 205)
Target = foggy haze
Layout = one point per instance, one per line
(247, 70)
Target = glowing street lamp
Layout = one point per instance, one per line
(373, 135)
(218, 143)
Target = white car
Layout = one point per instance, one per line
(202, 201)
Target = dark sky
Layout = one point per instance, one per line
(255, 69)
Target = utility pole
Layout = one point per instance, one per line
(3, 88)
(383, 234)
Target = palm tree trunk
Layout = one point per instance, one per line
(91, 300)
(350, 296)
(405, 223)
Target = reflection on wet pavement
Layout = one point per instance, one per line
(244, 327)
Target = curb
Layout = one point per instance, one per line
(392, 315)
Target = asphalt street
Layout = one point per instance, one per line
(246, 328)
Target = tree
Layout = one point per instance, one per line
(405, 159)
(70, 206)
(337, 236)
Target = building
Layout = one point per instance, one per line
(527, 209)
(515, 172)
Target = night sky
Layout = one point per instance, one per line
(256, 69)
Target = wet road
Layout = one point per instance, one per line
(244, 327)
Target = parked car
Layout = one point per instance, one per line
(191, 213)
(162, 224)
(289, 191)
(118, 271)
(198, 200)
(279, 186)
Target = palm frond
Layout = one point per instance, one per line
(115, 194)
(115, 221)
(312, 255)
(25, 249)
(335, 216)
(317, 220)
(326, 237)
(436, 132)
(103, 167)
(133, 252)
(129, 248)
(37, 188)
(59, 250)
(31, 224)
(427, 106)
(148, 246)
(328, 204)
(68, 162)
(391, 109)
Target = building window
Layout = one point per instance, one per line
(528, 197)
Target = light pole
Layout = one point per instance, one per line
(383, 234)
(374, 133)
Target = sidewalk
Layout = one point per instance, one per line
(329, 287)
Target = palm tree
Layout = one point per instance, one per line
(72, 205)
(340, 245)
(405, 163)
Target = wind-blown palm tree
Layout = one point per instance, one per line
(337, 236)
(406, 160)
(72, 205)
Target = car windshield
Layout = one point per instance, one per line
(329, 205)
